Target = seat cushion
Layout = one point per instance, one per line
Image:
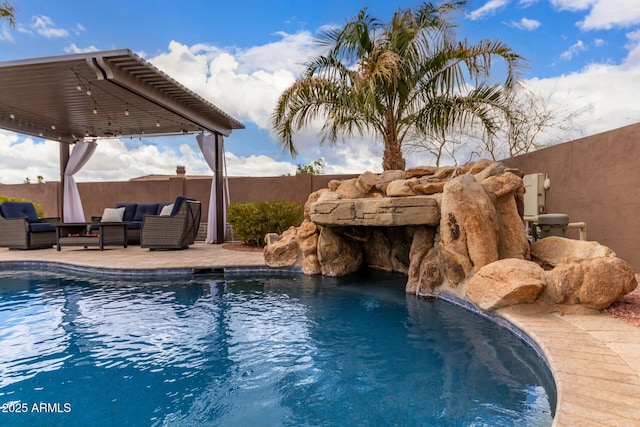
(145, 209)
(129, 210)
(166, 210)
(41, 227)
(19, 210)
(113, 215)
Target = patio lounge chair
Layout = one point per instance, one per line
(20, 227)
(176, 231)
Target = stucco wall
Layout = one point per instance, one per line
(595, 180)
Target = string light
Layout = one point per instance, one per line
(158, 124)
(12, 116)
(53, 127)
(79, 87)
(126, 112)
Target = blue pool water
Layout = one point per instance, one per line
(256, 351)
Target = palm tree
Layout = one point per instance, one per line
(405, 79)
(8, 12)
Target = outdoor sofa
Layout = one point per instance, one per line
(134, 213)
(21, 228)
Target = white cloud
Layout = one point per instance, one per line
(46, 27)
(599, 42)
(73, 48)
(488, 9)
(575, 49)
(603, 14)
(606, 14)
(244, 83)
(19, 162)
(526, 24)
(260, 165)
(5, 34)
(527, 3)
(601, 90)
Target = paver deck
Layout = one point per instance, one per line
(595, 359)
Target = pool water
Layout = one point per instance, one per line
(236, 350)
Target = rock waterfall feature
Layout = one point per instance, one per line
(450, 229)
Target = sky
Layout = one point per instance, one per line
(582, 55)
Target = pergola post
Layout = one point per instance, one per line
(219, 185)
(64, 160)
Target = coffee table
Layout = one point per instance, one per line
(91, 234)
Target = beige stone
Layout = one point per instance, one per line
(378, 251)
(313, 197)
(307, 237)
(334, 184)
(551, 251)
(348, 190)
(592, 282)
(431, 273)
(506, 282)
(513, 241)
(430, 187)
(386, 177)
(419, 171)
(284, 252)
(494, 169)
(310, 265)
(402, 188)
(468, 228)
(444, 172)
(421, 243)
(366, 182)
(504, 184)
(478, 166)
(337, 255)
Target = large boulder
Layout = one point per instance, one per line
(337, 254)
(591, 282)
(506, 282)
(469, 229)
(553, 250)
(513, 238)
(282, 252)
(423, 238)
(307, 237)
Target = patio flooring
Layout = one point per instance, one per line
(594, 358)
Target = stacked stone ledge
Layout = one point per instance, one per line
(453, 229)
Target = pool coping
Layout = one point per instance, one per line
(594, 359)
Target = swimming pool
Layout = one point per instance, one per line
(249, 350)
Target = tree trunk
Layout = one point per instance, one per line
(392, 158)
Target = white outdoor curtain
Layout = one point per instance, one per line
(207, 144)
(72, 205)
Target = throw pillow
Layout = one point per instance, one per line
(112, 215)
(166, 210)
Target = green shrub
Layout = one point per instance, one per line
(38, 206)
(252, 221)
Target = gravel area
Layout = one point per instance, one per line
(627, 308)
